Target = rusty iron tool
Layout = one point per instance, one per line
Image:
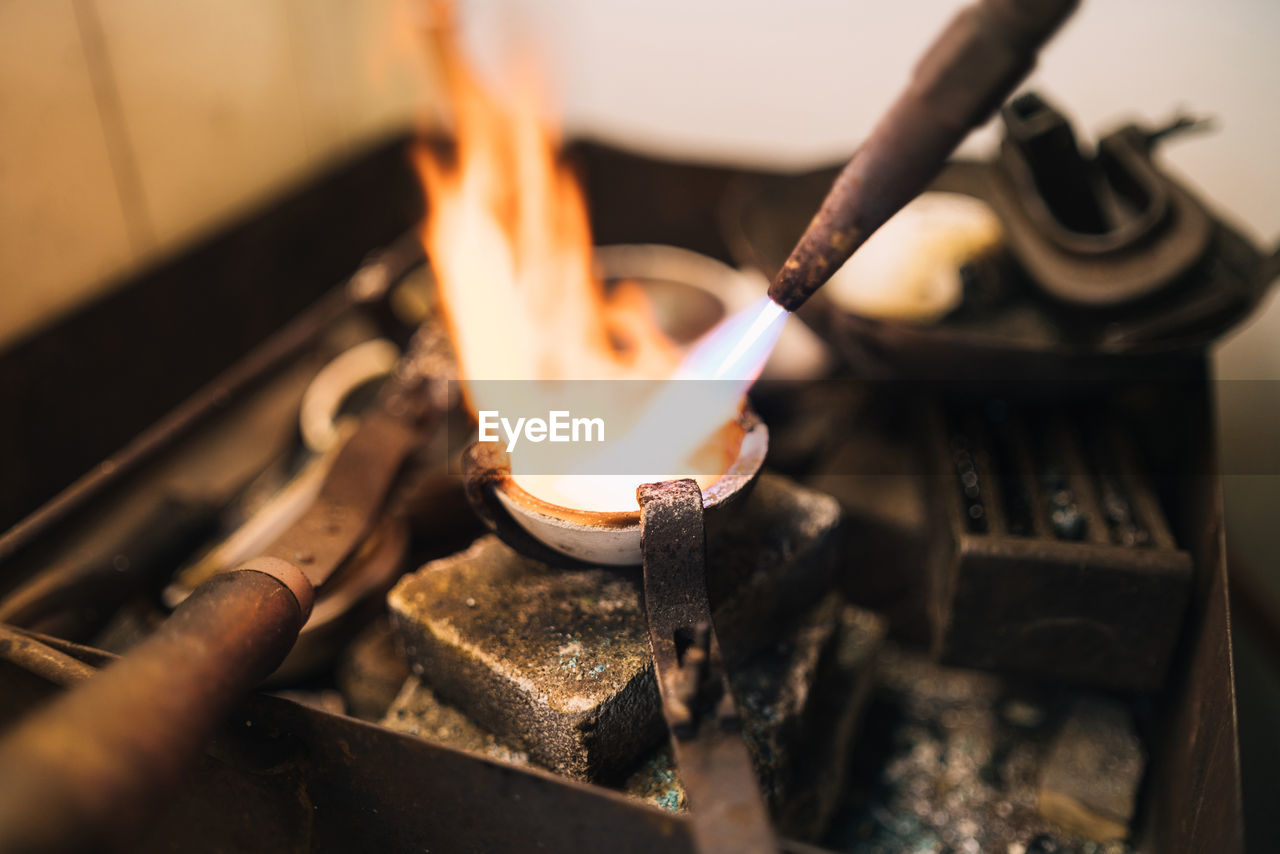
(32, 654)
(726, 808)
(970, 68)
(88, 771)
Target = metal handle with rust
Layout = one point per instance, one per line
(84, 773)
(88, 771)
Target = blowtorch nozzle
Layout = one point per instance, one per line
(983, 53)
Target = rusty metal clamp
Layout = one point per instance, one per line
(727, 810)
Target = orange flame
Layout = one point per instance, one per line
(508, 237)
(509, 240)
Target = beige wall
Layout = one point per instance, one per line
(127, 127)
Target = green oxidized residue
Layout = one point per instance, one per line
(666, 789)
(669, 800)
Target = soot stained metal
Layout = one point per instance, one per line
(727, 810)
(986, 50)
(232, 632)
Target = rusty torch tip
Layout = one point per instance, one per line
(968, 71)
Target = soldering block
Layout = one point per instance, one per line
(416, 710)
(800, 703)
(769, 558)
(552, 660)
(556, 660)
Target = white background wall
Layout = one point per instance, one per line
(130, 127)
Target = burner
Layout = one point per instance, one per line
(508, 702)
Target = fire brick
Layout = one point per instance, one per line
(553, 660)
(1090, 779)
(418, 711)
(800, 702)
(768, 560)
(556, 660)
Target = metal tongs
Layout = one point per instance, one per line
(85, 773)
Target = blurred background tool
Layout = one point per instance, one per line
(89, 772)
